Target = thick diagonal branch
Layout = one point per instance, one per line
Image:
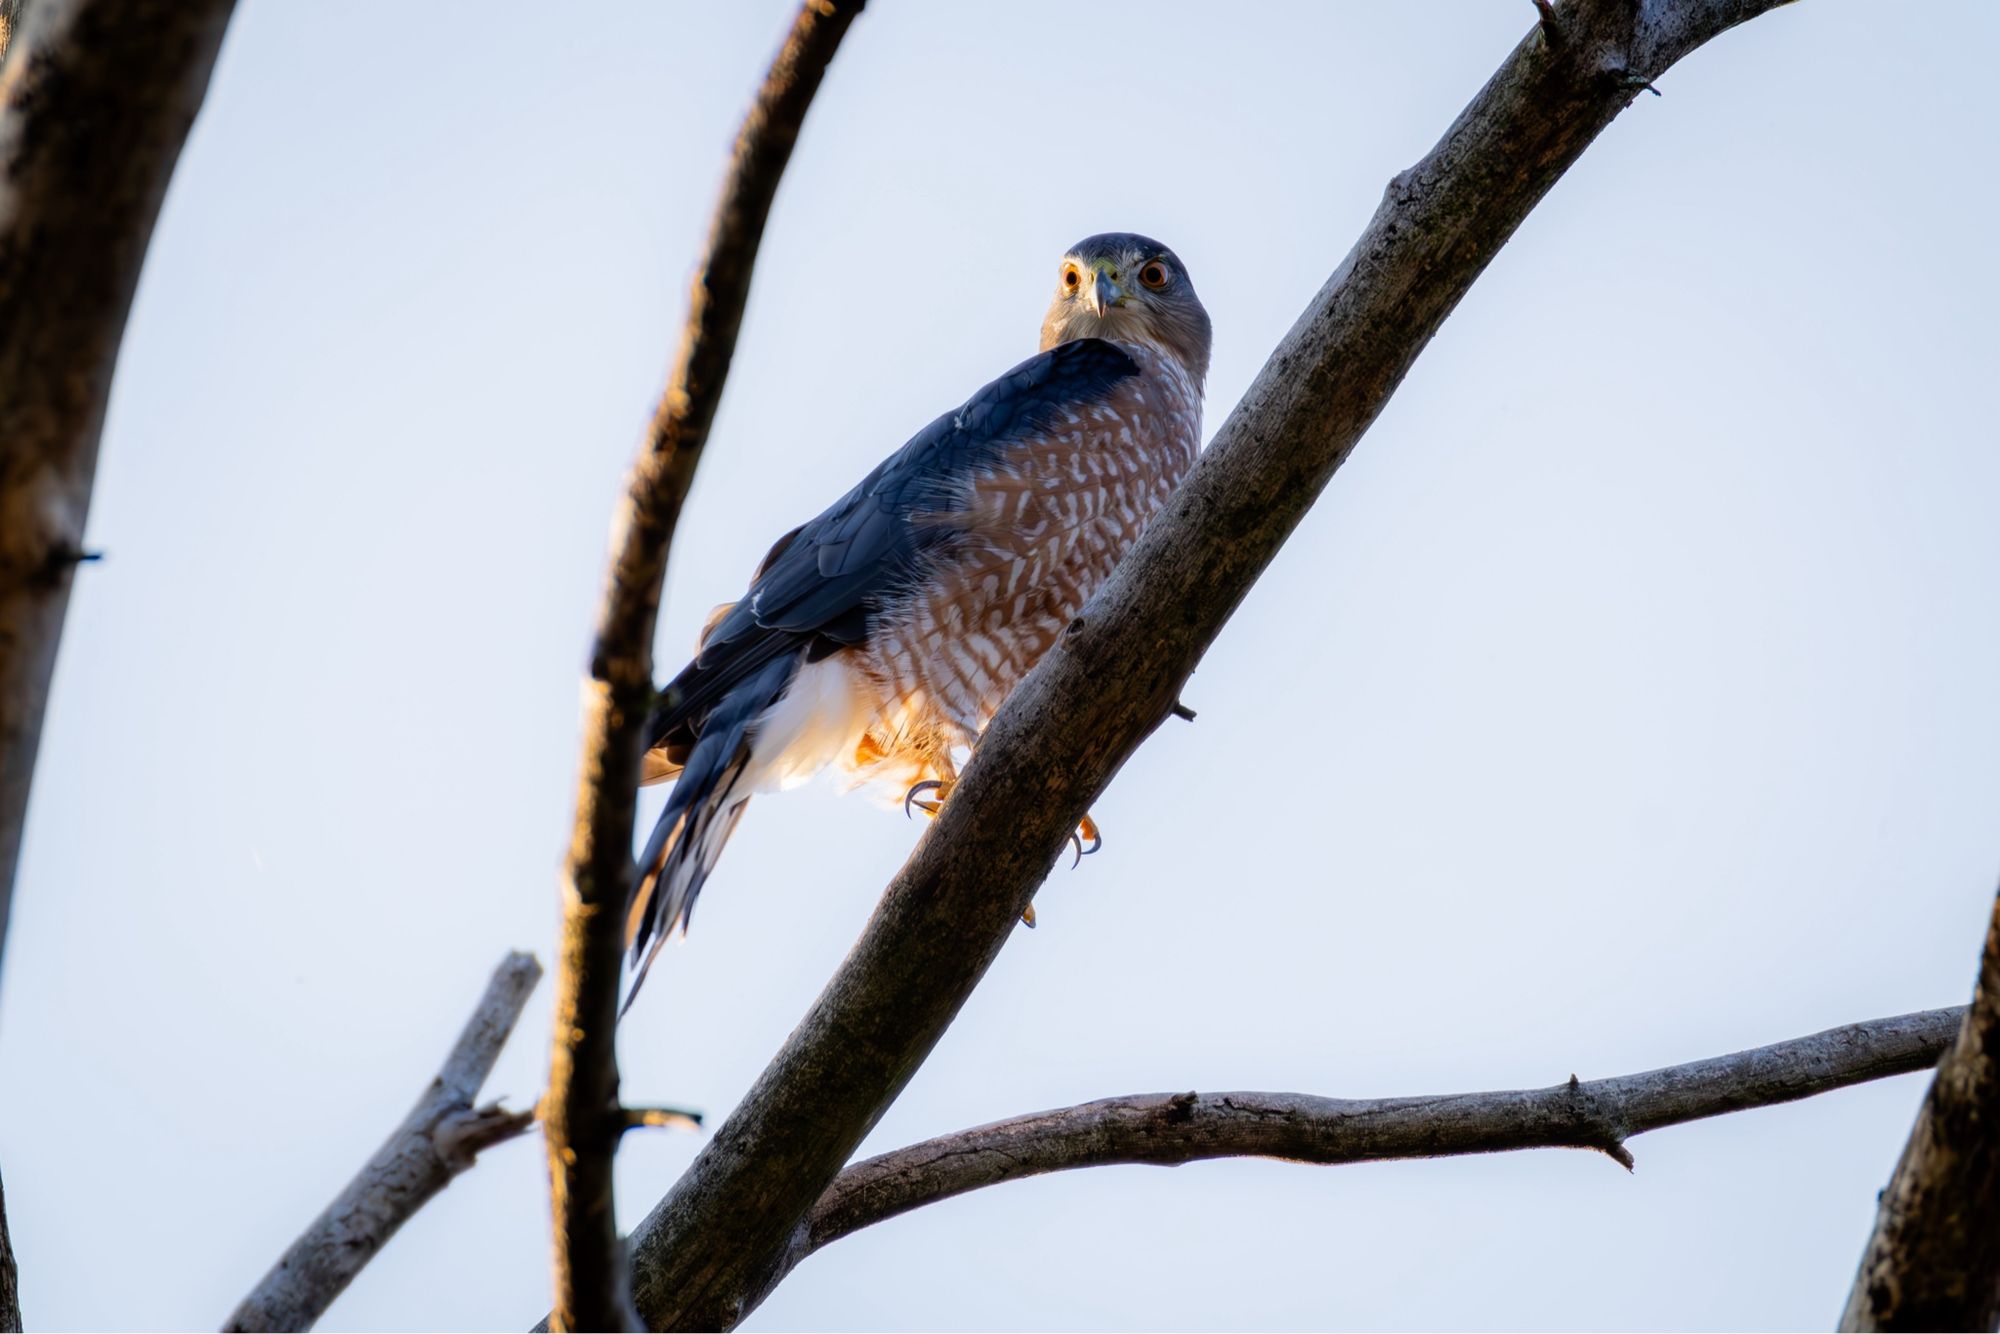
(710, 1250)
(1169, 1129)
(96, 97)
(1933, 1260)
(10, 1276)
(437, 1140)
(592, 1287)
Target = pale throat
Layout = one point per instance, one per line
(1068, 322)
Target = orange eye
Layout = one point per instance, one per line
(1072, 277)
(1154, 275)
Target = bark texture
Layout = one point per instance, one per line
(583, 1118)
(10, 1276)
(708, 1252)
(439, 1139)
(96, 97)
(1170, 1129)
(1933, 1261)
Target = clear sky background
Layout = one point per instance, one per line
(1632, 696)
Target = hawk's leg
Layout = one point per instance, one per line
(918, 799)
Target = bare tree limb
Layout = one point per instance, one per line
(438, 1140)
(1170, 1129)
(584, 1123)
(10, 15)
(10, 1275)
(709, 1251)
(1933, 1260)
(96, 98)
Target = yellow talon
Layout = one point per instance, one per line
(1028, 917)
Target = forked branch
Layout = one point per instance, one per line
(438, 1140)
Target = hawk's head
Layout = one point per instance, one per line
(1130, 288)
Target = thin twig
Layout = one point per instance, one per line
(710, 1250)
(1933, 1260)
(592, 1285)
(1169, 1129)
(436, 1142)
(10, 15)
(661, 1118)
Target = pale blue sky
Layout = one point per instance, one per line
(1629, 698)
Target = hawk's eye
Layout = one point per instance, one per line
(1154, 275)
(1072, 277)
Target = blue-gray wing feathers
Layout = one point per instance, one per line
(818, 586)
(814, 595)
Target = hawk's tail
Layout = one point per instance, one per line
(701, 813)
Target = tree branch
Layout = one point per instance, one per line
(10, 1276)
(438, 1140)
(1933, 1260)
(709, 1251)
(1170, 1129)
(584, 1122)
(95, 101)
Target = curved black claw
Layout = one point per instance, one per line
(1077, 843)
(928, 785)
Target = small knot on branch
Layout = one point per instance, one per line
(463, 1136)
(61, 560)
(1595, 1130)
(1180, 1107)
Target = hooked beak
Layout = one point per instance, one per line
(1104, 293)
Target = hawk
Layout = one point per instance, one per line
(882, 636)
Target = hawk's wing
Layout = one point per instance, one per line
(820, 582)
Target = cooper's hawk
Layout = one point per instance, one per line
(883, 635)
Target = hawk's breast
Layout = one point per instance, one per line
(1040, 530)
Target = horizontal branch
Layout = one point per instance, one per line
(438, 1140)
(1169, 1129)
